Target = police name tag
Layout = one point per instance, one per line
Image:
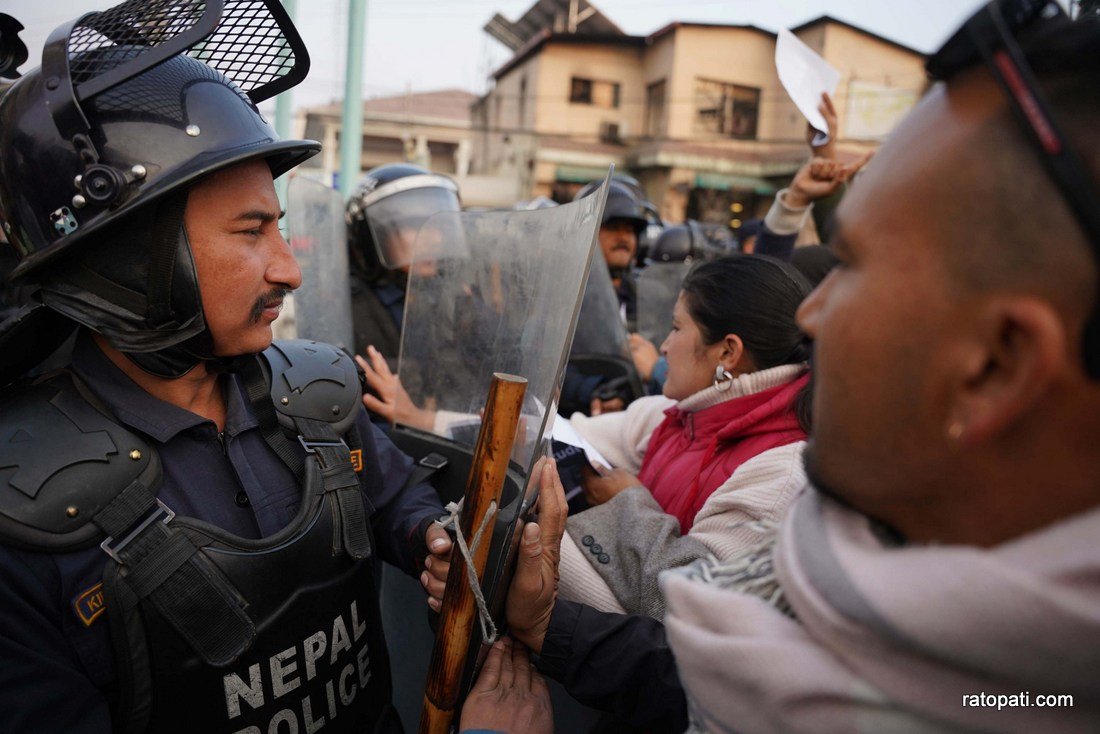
(89, 604)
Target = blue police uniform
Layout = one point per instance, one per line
(393, 298)
(57, 669)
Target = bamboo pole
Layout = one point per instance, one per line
(459, 610)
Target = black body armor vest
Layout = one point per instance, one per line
(212, 632)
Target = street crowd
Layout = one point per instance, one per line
(854, 486)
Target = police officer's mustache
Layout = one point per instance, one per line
(273, 297)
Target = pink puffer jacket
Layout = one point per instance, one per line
(691, 454)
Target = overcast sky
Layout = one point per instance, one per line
(420, 45)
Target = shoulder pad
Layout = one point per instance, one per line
(62, 459)
(313, 380)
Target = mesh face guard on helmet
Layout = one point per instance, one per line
(92, 75)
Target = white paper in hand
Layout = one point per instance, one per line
(805, 76)
(564, 432)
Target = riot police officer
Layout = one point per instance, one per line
(654, 225)
(611, 382)
(190, 516)
(658, 285)
(623, 224)
(384, 215)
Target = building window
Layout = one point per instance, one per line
(522, 102)
(595, 93)
(655, 109)
(728, 110)
(611, 132)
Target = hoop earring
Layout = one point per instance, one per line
(723, 380)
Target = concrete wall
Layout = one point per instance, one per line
(735, 56)
(504, 99)
(442, 148)
(505, 142)
(879, 82)
(556, 115)
(814, 37)
(659, 64)
(856, 54)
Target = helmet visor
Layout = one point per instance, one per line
(396, 220)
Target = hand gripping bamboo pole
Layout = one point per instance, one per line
(459, 610)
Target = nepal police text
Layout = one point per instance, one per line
(285, 672)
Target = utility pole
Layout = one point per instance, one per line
(283, 106)
(351, 137)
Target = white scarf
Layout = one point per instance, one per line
(890, 639)
(748, 383)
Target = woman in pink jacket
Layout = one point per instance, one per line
(737, 377)
(736, 367)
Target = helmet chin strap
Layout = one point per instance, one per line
(138, 287)
(176, 361)
(168, 238)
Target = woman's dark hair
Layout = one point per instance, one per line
(754, 297)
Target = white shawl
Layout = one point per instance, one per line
(891, 639)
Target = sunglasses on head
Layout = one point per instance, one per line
(989, 37)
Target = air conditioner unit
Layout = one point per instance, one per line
(611, 132)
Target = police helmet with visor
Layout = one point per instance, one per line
(386, 210)
(100, 145)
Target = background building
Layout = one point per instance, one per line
(431, 129)
(695, 111)
(428, 128)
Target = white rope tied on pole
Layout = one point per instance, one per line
(489, 632)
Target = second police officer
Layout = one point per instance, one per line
(384, 214)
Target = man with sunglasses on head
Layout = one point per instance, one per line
(941, 572)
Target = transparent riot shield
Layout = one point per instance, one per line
(658, 289)
(488, 292)
(502, 300)
(600, 327)
(600, 364)
(316, 230)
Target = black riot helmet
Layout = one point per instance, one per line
(386, 210)
(654, 225)
(13, 52)
(619, 177)
(689, 241)
(622, 203)
(100, 145)
(678, 243)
